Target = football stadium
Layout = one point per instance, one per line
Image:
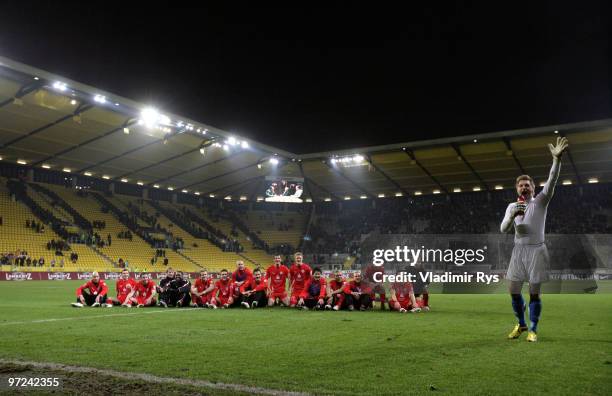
(144, 252)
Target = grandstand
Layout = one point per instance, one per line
(83, 155)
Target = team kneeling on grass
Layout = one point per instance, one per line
(308, 289)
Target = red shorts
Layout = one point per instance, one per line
(222, 300)
(406, 304)
(282, 294)
(142, 300)
(200, 300)
(121, 298)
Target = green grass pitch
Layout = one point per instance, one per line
(460, 347)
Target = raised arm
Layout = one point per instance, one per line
(556, 151)
(506, 225)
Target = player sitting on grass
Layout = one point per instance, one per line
(126, 290)
(277, 275)
(314, 292)
(254, 291)
(92, 293)
(358, 294)
(164, 287)
(222, 295)
(529, 260)
(239, 277)
(402, 298)
(201, 291)
(179, 290)
(377, 287)
(299, 274)
(146, 291)
(335, 292)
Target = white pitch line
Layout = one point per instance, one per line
(154, 378)
(143, 312)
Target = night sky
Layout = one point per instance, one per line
(313, 79)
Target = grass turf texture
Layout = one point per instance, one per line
(460, 347)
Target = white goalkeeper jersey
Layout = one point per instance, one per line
(529, 228)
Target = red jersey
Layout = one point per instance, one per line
(95, 289)
(224, 288)
(315, 289)
(353, 286)
(145, 289)
(402, 291)
(125, 287)
(299, 275)
(278, 276)
(242, 276)
(201, 285)
(336, 285)
(252, 284)
(371, 270)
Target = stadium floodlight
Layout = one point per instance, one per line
(140, 183)
(593, 180)
(476, 188)
(456, 189)
(67, 170)
(556, 132)
(124, 180)
(243, 198)
(381, 195)
(333, 161)
(100, 99)
(155, 185)
(399, 194)
(126, 130)
(149, 116)
(0, 158)
(232, 140)
(60, 86)
(358, 158)
(45, 166)
(225, 147)
(499, 187)
(308, 199)
(36, 78)
(436, 191)
(244, 144)
(542, 184)
(73, 102)
(274, 161)
(228, 198)
(22, 162)
(211, 195)
(567, 182)
(327, 200)
(347, 198)
(87, 173)
(204, 131)
(180, 124)
(116, 104)
(197, 193)
(259, 199)
(363, 197)
(171, 188)
(418, 193)
(184, 191)
(202, 150)
(258, 166)
(105, 177)
(475, 140)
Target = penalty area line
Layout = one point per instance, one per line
(152, 378)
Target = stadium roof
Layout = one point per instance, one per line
(53, 122)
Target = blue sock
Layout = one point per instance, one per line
(518, 305)
(535, 309)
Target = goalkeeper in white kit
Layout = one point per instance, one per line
(529, 261)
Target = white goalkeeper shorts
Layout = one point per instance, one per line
(529, 263)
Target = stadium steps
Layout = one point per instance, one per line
(136, 252)
(172, 215)
(79, 220)
(189, 259)
(46, 202)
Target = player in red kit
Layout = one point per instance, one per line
(126, 288)
(377, 287)
(402, 298)
(92, 293)
(358, 294)
(254, 291)
(335, 292)
(223, 293)
(314, 293)
(277, 275)
(240, 277)
(146, 290)
(299, 274)
(201, 291)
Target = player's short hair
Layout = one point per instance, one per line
(95, 273)
(525, 177)
(256, 270)
(125, 269)
(224, 270)
(203, 270)
(298, 254)
(317, 269)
